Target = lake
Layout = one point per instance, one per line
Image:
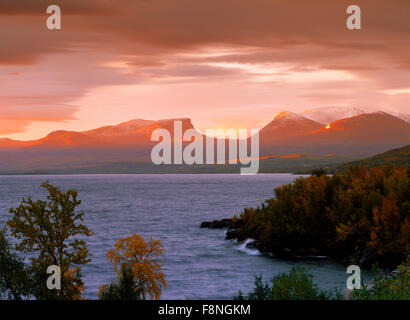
(198, 263)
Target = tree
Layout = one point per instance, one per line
(391, 231)
(52, 228)
(14, 276)
(123, 289)
(143, 258)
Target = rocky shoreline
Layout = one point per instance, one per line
(287, 253)
(232, 233)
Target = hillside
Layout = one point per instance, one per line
(397, 157)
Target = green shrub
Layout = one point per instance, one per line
(295, 285)
(386, 286)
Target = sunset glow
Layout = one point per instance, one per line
(142, 62)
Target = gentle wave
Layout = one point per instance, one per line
(242, 247)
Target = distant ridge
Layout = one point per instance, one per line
(133, 133)
(123, 147)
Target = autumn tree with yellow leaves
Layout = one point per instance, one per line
(141, 259)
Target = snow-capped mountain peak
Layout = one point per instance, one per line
(326, 115)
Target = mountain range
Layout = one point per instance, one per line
(356, 136)
(361, 135)
(134, 133)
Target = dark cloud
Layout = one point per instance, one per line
(78, 7)
(183, 24)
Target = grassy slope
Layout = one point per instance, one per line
(397, 157)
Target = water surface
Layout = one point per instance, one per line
(198, 263)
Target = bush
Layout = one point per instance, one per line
(295, 285)
(385, 286)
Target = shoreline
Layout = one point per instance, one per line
(288, 254)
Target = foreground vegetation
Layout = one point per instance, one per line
(298, 285)
(361, 215)
(358, 213)
(386, 286)
(50, 233)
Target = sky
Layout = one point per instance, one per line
(223, 63)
